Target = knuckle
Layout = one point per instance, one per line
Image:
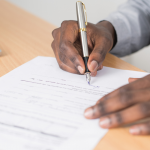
(64, 23)
(101, 108)
(69, 24)
(54, 32)
(123, 95)
(119, 118)
(74, 59)
(145, 108)
(62, 47)
(62, 57)
(78, 46)
(126, 98)
(123, 90)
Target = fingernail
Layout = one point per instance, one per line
(105, 123)
(80, 69)
(88, 113)
(134, 130)
(93, 66)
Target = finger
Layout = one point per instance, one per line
(108, 96)
(132, 79)
(67, 51)
(138, 112)
(100, 67)
(102, 46)
(117, 103)
(55, 31)
(71, 57)
(55, 47)
(141, 83)
(140, 129)
(93, 74)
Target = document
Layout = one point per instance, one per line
(42, 106)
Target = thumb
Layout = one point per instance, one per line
(132, 79)
(97, 56)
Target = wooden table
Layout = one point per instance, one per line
(24, 36)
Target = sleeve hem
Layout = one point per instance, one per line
(123, 33)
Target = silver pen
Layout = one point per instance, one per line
(82, 23)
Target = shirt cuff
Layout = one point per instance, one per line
(123, 33)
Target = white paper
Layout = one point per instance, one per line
(41, 106)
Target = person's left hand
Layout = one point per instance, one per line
(123, 106)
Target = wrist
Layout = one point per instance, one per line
(107, 25)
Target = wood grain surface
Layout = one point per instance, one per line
(24, 36)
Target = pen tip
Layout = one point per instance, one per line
(88, 78)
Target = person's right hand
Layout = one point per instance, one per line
(68, 50)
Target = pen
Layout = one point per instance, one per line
(82, 23)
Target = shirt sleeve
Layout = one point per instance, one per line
(132, 24)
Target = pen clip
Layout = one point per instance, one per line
(85, 14)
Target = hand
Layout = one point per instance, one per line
(68, 51)
(124, 105)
